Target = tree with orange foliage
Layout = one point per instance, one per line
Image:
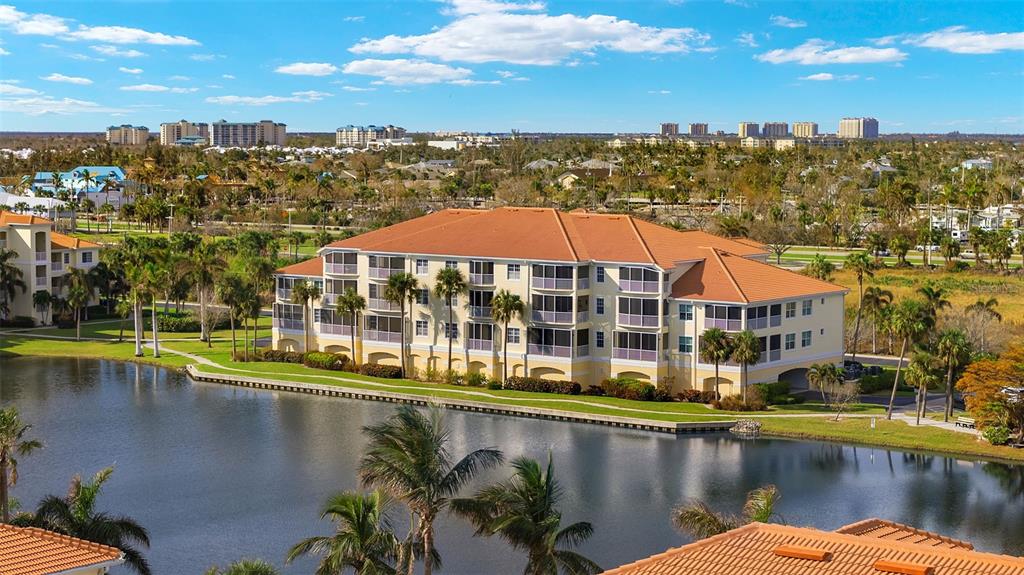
(981, 386)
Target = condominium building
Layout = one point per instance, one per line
(858, 128)
(698, 129)
(170, 133)
(773, 143)
(749, 130)
(805, 129)
(361, 136)
(247, 134)
(775, 130)
(127, 135)
(606, 296)
(43, 256)
(669, 129)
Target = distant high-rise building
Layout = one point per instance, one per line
(669, 129)
(361, 136)
(775, 130)
(247, 134)
(698, 129)
(749, 130)
(174, 131)
(127, 135)
(805, 129)
(858, 128)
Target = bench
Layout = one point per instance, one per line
(967, 422)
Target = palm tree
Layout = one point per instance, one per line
(876, 244)
(363, 540)
(934, 298)
(954, 349)
(523, 511)
(12, 443)
(295, 239)
(205, 265)
(123, 309)
(11, 279)
(305, 293)
(231, 291)
(352, 304)
(900, 245)
(820, 268)
(875, 301)
(715, 348)
(506, 306)
(245, 567)
(921, 373)
(407, 456)
(153, 279)
(950, 249)
(698, 520)
(824, 376)
(861, 265)
(42, 299)
(401, 289)
(76, 515)
(449, 284)
(746, 351)
(79, 292)
(910, 320)
(986, 310)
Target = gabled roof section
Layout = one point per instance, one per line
(32, 551)
(60, 241)
(311, 268)
(8, 218)
(882, 529)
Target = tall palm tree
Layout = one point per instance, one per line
(245, 567)
(154, 277)
(523, 511)
(954, 349)
(12, 443)
(305, 294)
(910, 320)
(875, 301)
(824, 376)
(934, 298)
(862, 266)
(407, 456)
(716, 347)
(921, 373)
(362, 541)
(401, 289)
(76, 515)
(205, 265)
(746, 351)
(448, 285)
(11, 280)
(123, 309)
(230, 291)
(41, 300)
(79, 287)
(986, 310)
(351, 304)
(505, 307)
(698, 520)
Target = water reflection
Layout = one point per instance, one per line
(217, 473)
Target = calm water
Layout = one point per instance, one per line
(218, 473)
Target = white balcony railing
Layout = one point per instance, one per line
(384, 273)
(583, 283)
(724, 324)
(582, 316)
(480, 344)
(549, 350)
(42, 257)
(377, 335)
(637, 320)
(334, 329)
(639, 286)
(56, 266)
(341, 269)
(480, 311)
(381, 304)
(283, 323)
(635, 354)
(42, 281)
(284, 294)
(481, 279)
(582, 350)
(552, 283)
(552, 316)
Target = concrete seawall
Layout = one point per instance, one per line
(460, 404)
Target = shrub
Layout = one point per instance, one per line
(493, 384)
(452, 377)
(536, 384)
(627, 388)
(996, 434)
(432, 374)
(594, 390)
(381, 370)
(735, 402)
(476, 379)
(322, 360)
(773, 393)
(21, 321)
(280, 356)
(183, 322)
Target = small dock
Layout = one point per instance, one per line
(671, 427)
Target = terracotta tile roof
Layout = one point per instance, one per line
(8, 218)
(32, 551)
(762, 549)
(882, 529)
(311, 267)
(723, 276)
(60, 241)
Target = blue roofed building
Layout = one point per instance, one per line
(76, 179)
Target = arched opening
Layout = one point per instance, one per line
(517, 370)
(547, 373)
(384, 358)
(796, 378)
(634, 375)
(287, 345)
(336, 349)
(477, 367)
(723, 386)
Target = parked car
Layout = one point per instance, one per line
(1014, 394)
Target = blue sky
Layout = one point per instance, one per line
(490, 65)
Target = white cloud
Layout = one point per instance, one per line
(117, 52)
(490, 31)
(469, 82)
(37, 106)
(404, 71)
(49, 46)
(660, 92)
(4, 52)
(354, 18)
(357, 89)
(817, 52)
(227, 76)
(202, 57)
(40, 24)
(179, 78)
(86, 58)
(747, 39)
(130, 70)
(740, 3)
(11, 88)
(157, 88)
(48, 25)
(787, 22)
(55, 77)
(959, 40)
(308, 69)
(297, 97)
(825, 77)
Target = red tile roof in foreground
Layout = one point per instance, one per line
(882, 529)
(59, 241)
(311, 267)
(32, 551)
(8, 218)
(763, 549)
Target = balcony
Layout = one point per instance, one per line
(480, 311)
(582, 316)
(56, 266)
(552, 283)
(283, 323)
(757, 323)
(583, 283)
(480, 344)
(549, 350)
(385, 336)
(635, 354)
(639, 286)
(724, 324)
(384, 273)
(637, 320)
(381, 304)
(552, 316)
(582, 350)
(342, 269)
(42, 281)
(328, 299)
(284, 294)
(42, 257)
(334, 329)
(767, 356)
(775, 320)
(481, 279)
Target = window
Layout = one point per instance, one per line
(685, 344)
(317, 315)
(599, 339)
(451, 330)
(822, 331)
(451, 264)
(790, 309)
(807, 307)
(421, 327)
(599, 305)
(481, 331)
(481, 272)
(3, 240)
(514, 271)
(86, 257)
(790, 341)
(67, 260)
(513, 335)
(686, 311)
(423, 296)
(421, 267)
(805, 339)
(775, 315)
(600, 277)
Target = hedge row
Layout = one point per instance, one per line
(322, 360)
(697, 396)
(536, 384)
(380, 370)
(179, 323)
(628, 388)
